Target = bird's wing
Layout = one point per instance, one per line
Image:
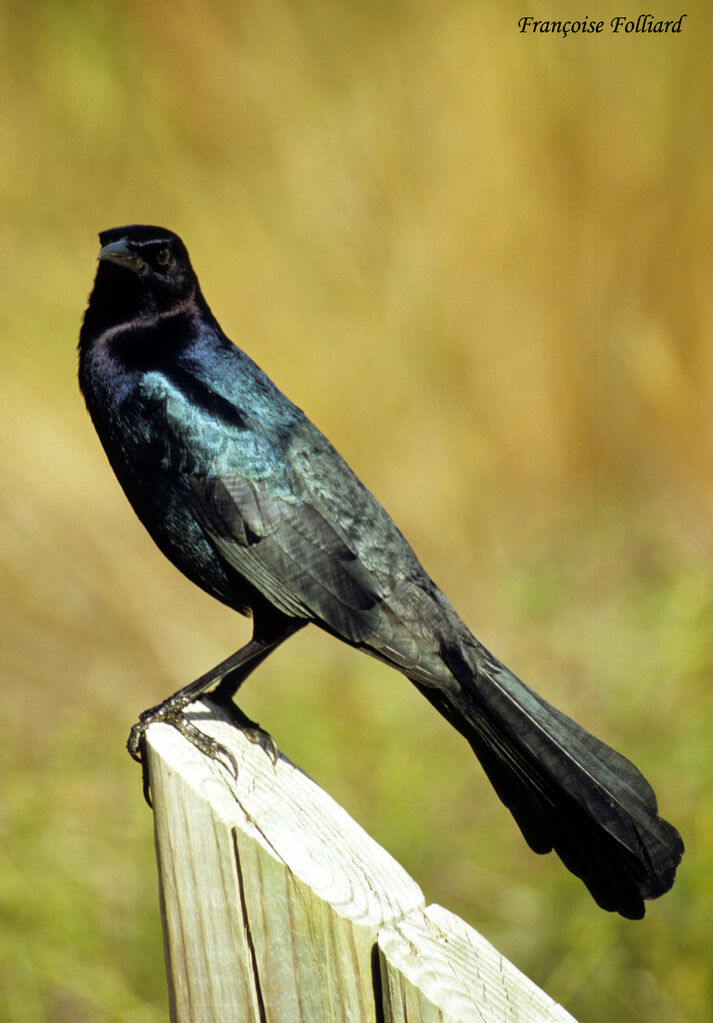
(287, 550)
(253, 507)
(286, 512)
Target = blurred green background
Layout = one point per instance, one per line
(481, 262)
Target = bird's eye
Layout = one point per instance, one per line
(163, 256)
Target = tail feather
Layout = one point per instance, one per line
(566, 789)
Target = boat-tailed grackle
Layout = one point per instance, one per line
(248, 499)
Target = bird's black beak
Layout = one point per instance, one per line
(121, 253)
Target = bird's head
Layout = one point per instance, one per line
(144, 272)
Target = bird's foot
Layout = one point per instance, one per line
(250, 729)
(171, 713)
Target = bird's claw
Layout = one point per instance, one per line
(166, 714)
(223, 755)
(250, 729)
(266, 741)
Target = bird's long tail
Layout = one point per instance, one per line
(567, 790)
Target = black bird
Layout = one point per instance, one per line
(250, 501)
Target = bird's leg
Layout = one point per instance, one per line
(229, 674)
(228, 686)
(270, 631)
(171, 713)
(171, 710)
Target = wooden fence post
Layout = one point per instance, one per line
(278, 908)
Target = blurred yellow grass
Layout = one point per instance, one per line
(481, 262)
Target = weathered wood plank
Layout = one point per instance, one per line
(272, 896)
(437, 969)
